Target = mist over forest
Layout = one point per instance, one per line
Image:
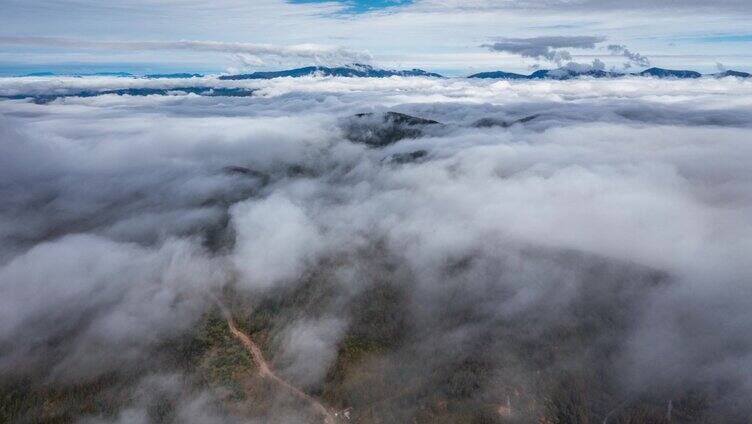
(400, 250)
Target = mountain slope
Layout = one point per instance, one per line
(498, 75)
(362, 71)
(565, 73)
(669, 73)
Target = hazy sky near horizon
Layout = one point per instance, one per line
(448, 36)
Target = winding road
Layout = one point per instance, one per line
(265, 370)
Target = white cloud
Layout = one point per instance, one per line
(314, 52)
(278, 242)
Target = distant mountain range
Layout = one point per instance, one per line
(500, 75)
(733, 74)
(367, 71)
(139, 92)
(566, 73)
(356, 70)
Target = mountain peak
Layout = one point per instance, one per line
(669, 73)
(731, 73)
(352, 70)
(569, 72)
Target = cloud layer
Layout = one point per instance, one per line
(611, 216)
(314, 52)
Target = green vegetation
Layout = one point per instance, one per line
(210, 358)
(223, 362)
(21, 401)
(383, 370)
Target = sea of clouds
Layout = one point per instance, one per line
(119, 215)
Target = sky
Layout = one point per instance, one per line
(448, 36)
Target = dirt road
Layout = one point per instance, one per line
(266, 371)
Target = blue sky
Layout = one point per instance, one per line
(446, 36)
(360, 6)
(733, 38)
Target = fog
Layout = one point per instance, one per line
(618, 209)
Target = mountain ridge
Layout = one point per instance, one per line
(569, 73)
(367, 71)
(355, 70)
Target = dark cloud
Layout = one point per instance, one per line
(544, 47)
(632, 57)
